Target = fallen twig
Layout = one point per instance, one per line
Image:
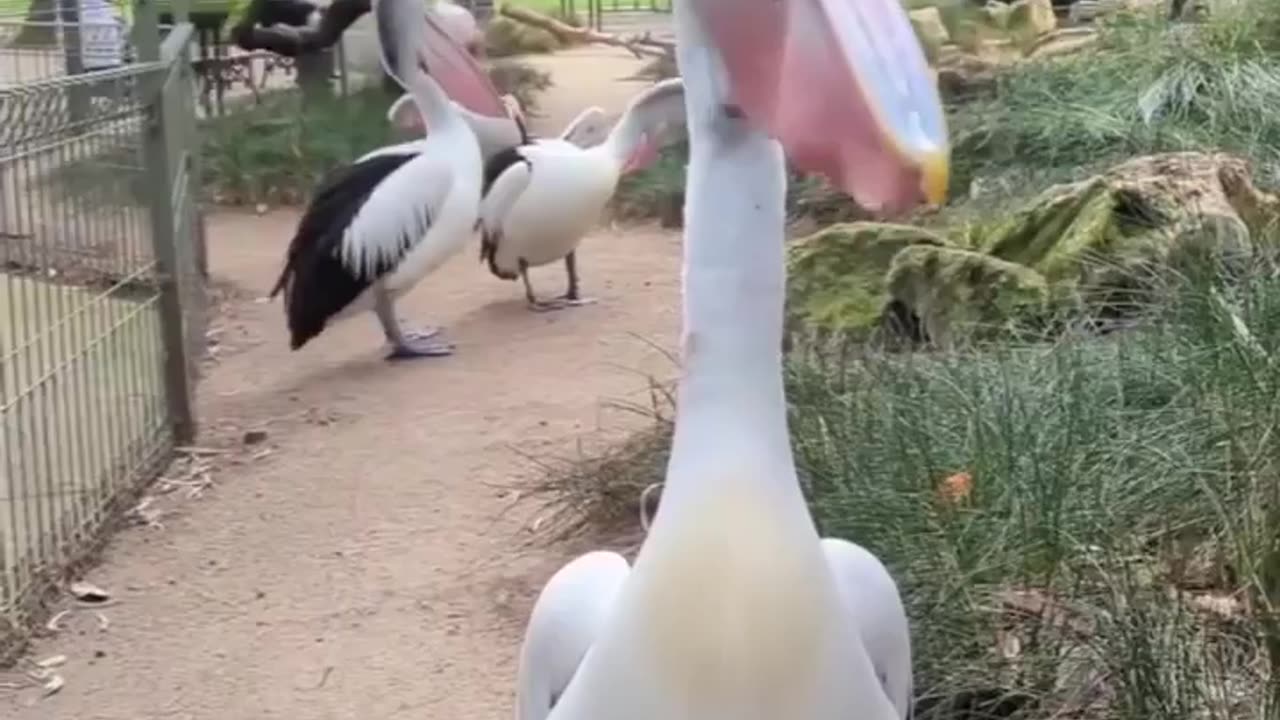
(639, 45)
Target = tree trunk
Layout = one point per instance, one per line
(38, 26)
(291, 41)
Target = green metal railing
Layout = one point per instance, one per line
(596, 11)
(101, 292)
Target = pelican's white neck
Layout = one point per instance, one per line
(623, 138)
(437, 110)
(731, 406)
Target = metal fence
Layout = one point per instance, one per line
(618, 15)
(101, 291)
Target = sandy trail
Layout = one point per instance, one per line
(371, 566)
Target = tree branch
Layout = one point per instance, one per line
(638, 45)
(292, 41)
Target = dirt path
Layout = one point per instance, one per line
(369, 567)
(583, 76)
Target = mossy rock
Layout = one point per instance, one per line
(1031, 18)
(947, 287)
(1095, 248)
(930, 30)
(837, 276)
(1174, 210)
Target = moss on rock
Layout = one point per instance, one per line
(837, 277)
(946, 287)
(1092, 247)
(930, 31)
(1160, 211)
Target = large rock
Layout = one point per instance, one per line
(947, 287)
(837, 277)
(930, 30)
(1148, 213)
(1031, 18)
(1090, 247)
(962, 76)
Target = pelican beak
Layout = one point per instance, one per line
(844, 86)
(404, 114)
(415, 44)
(644, 155)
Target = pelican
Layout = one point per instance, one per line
(542, 198)
(735, 608)
(376, 227)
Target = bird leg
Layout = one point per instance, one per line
(534, 302)
(570, 297)
(410, 344)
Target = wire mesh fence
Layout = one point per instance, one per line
(622, 16)
(101, 299)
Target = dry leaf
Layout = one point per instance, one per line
(52, 661)
(103, 622)
(1221, 605)
(53, 685)
(956, 488)
(55, 622)
(89, 593)
(1009, 643)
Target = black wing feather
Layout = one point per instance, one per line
(493, 169)
(316, 283)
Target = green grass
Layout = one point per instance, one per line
(1120, 480)
(1149, 86)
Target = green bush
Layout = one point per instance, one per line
(277, 150)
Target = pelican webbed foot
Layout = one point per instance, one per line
(407, 349)
(411, 343)
(571, 297)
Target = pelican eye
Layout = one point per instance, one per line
(733, 112)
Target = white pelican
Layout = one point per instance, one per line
(376, 227)
(735, 609)
(542, 198)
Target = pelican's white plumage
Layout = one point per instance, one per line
(542, 198)
(376, 227)
(735, 609)
(871, 596)
(566, 617)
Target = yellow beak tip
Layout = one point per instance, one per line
(935, 178)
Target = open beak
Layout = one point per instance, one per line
(844, 86)
(414, 42)
(644, 155)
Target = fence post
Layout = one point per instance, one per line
(169, 274)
